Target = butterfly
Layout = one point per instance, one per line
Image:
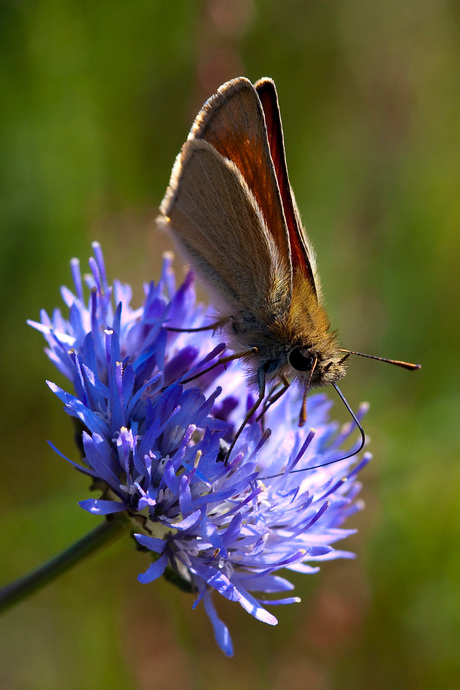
(232, 213)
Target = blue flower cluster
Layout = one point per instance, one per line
(157, 448)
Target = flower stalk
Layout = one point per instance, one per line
(100, 537)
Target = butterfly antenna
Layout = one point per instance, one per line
(396, 362)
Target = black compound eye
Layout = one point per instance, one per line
(301, 359)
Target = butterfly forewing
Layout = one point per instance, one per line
(232, 122)
(212, 213)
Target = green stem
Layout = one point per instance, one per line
(18, 590)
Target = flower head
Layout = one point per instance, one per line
(156, 448)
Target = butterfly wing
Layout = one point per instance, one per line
(217, 222)
(302, 254)
(232, 121)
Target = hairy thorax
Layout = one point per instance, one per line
(309, 338)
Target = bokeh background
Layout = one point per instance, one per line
(97, 98)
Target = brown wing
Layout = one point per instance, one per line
(302, 254)
(217, 222)
(232, 121)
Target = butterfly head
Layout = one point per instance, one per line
(317, 364)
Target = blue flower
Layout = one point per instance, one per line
(156, 448)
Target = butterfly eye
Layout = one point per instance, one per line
(301, 359)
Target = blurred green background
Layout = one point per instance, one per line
(97, 98)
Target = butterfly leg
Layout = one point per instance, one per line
(261, 417)
(223, 360)
(212, 327)
(250, 412)
(275, 395)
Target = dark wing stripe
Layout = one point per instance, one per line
(301, 256)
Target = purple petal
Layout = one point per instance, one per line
(151, 543)
(99, 506)
(221, 631)
(154, 571)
